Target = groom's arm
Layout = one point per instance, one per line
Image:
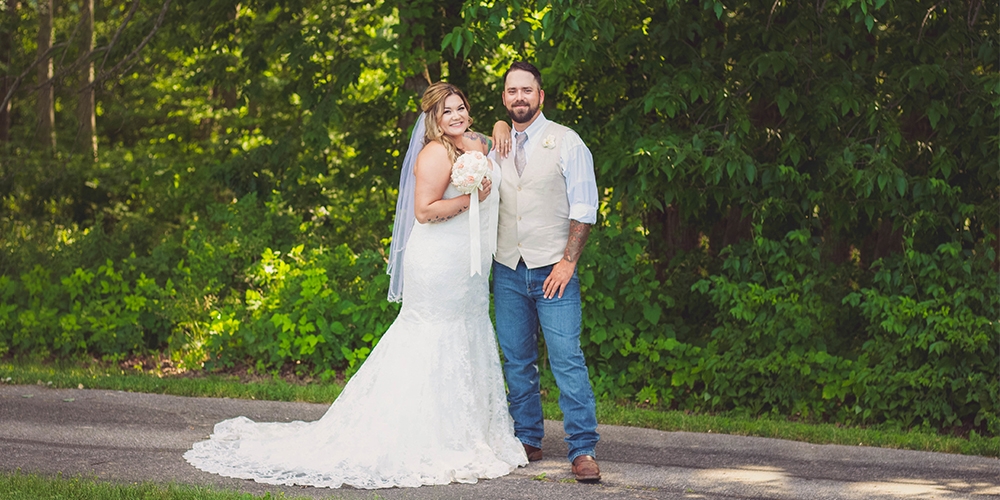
(578, 233)
(581, 191)
(562, 271)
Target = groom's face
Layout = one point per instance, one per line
(522, 97)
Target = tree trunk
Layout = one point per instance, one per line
(669, 236)
(6, 58)
(836, 248)
(731, 229)
(45, 132)
(85, 111)
(882, 242)
(458, 72)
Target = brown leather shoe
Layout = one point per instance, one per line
(534, 454)
(586, 470)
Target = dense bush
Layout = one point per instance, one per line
(321, 309)
(769, 332)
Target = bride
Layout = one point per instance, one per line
(428, 405)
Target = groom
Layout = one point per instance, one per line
(548, 201)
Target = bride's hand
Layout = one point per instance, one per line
(484, 192)
(501, 139)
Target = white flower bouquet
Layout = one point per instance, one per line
(469, 170)
(467, 175)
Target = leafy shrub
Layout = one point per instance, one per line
(931, 354)
(321, 309)
(791, 335)
(104, 311)
(630, 324)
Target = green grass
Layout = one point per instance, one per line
(816, 433)
(93, 376)
(18, 486)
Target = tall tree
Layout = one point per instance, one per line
(85, 112)
(45, 132)
(8, 26)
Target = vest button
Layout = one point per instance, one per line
(519, 188)
(518, 217)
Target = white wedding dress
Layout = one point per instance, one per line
(427, 407)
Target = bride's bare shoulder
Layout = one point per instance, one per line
(433, 150)
(433, 156)
(474, 141)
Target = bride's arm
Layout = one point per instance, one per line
(433, 174)
(501, 138)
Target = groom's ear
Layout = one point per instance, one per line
(541, 98)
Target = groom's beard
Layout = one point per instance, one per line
(521, 116)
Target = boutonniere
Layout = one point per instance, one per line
(549, 142)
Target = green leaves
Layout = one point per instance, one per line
(459, 40)
(935, 112)
(651, 313)
(797, 208)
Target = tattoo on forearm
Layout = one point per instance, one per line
(442, 218)
(578, 233)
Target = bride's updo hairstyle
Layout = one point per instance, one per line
(432, 103)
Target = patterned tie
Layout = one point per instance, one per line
(519, 158)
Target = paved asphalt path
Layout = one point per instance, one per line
(128, 437)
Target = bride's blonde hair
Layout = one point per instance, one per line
(432, 103)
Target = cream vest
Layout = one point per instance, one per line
(534, 208)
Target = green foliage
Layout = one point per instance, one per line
(908, 351)
(105, 311)
(320, 309)
(788, 346)
(931, 352)
(630, 324)
(819, 177)
(799, 201)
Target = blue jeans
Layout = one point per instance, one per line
(520, 308)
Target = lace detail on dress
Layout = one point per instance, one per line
(428, 406)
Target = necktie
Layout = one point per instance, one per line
(519, 156)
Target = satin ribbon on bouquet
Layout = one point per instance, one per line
(475, 246)
(467, 175)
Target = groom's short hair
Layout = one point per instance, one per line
(524, 66)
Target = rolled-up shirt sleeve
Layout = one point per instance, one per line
(581, 184)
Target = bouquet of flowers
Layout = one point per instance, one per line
(467, 175)
(468, 172)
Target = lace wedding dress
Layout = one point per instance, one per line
(428, 405)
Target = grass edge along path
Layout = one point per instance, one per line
(93, 376)
(22, 486)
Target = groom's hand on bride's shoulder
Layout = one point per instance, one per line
(555, 283)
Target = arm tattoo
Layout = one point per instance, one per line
(578, 233)
(476, 136)
(442, 218)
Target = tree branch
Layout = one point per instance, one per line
(72, 35)
(974, 16)
(36, 62)
(72, 68)
(149, 36)
(80, 61)
(769, 16)
(924, 23)
(118, 32)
